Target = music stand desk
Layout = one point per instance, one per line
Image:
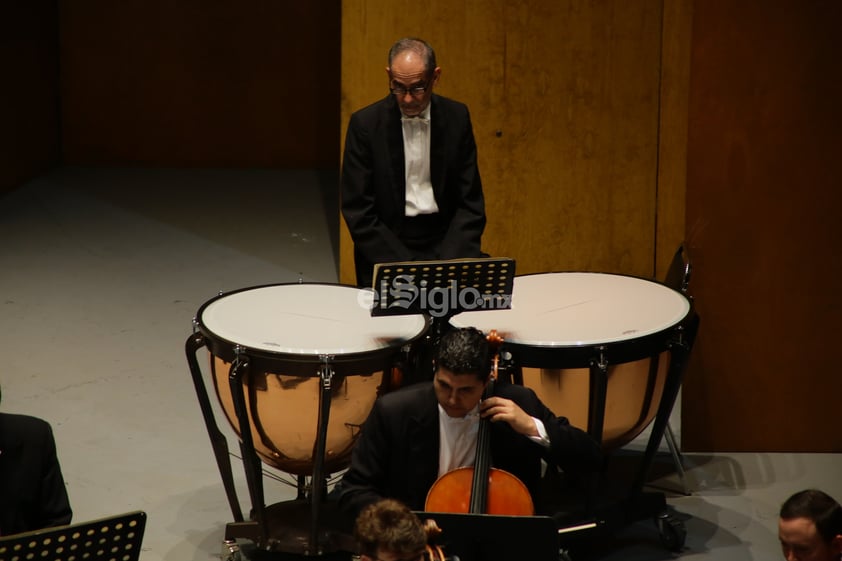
(443, 288)
(113, 537)
(488, 537)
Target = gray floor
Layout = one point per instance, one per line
(103, 271)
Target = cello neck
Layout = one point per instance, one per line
(482, 461)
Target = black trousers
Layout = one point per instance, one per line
(422, 234)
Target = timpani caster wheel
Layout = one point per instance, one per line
(672, 531)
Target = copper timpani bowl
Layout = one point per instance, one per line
(289, 333)
(560, 322)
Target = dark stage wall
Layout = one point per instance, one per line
(764, 171)
(191, 83)
(29, 100)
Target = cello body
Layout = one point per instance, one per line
(506, 493)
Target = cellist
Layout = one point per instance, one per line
(420, 432)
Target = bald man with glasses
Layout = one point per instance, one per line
(411, 187)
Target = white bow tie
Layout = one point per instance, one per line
(426, 121)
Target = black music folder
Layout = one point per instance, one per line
(489, 537)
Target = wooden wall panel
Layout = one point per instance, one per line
(29, 117)
(580, 125)
(676, 41)
(200, 83)
(468, 39)
(572, 88)
(763, 197)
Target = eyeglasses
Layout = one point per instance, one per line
(414, 91)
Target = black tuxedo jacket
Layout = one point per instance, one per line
(373, 184)
(397, 454)
(32, 492)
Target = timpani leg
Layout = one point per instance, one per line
(599, 389)
(218, 441)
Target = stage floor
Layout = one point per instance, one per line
(103, 271)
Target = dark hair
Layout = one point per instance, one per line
(418, 46)
(464, 351)
(391, 525)
(817, 506)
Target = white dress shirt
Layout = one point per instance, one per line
(416, 146)
(458, 439)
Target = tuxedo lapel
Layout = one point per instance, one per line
(395, 154)
(438, 141)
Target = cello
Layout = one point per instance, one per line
(481, 489)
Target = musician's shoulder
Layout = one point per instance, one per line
(513, 391)
(407, 394)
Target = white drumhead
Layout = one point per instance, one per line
(307, 319)
(579, 309)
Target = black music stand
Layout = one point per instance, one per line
(441, 289)
(488, 537)
(112, 537)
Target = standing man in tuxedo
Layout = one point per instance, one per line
(411, 188)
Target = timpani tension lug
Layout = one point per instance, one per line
(326, 373)
(507, 367)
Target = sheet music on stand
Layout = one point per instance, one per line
(443, 288)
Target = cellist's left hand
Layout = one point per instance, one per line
(500, 409)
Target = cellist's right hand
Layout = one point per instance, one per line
(498, 409)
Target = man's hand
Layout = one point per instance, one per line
(500, 409)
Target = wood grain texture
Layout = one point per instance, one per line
(672, 131)
(564, 98)
(195, 83)
(762, 212)
(580, 138)
(468, 39)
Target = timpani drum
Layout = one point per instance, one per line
(564, 328)
(292, 334)
(296, 368)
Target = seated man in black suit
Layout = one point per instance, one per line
(32, 492)
(414, 435)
